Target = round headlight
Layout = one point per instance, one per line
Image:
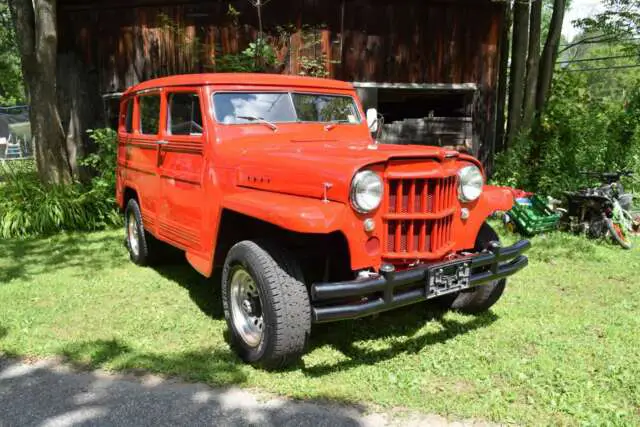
(366, 191)
(471, 183)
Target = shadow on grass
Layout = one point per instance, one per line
(213, 366)
(403, 322)
(89, 252)
(204, 292)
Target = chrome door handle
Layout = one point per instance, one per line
(163, 142)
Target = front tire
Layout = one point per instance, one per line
(481, 298)
(266, 304)
(618, 234)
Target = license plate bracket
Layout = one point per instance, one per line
(448, 278)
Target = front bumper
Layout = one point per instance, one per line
(335, 301)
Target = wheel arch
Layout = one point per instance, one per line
(128, 194)
(309, 248)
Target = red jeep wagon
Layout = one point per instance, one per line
(278, 180)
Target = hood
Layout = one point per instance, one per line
(314, 168)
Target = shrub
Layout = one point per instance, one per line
(29, 208)
(577, 133)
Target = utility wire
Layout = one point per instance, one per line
(601, 38)
(591, 40)
(602, 58)
(615, 67)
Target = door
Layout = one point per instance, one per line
(142, 150)
(181, 166)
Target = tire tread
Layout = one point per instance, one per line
(286, 294)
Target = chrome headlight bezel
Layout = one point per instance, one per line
(471, 183)
(367, 192)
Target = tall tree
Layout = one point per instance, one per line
(533, 62)
(503, 82)
(550, 54)
(36, 28)
(11, 86)
(518, 68)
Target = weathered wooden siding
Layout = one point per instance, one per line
(400, 41)
(441, 41)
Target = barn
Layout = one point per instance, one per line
(431, 67)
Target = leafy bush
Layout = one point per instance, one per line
(28, 208)
(577, 133)
(259, 57)
(102, 162)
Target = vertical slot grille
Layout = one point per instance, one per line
(408, 233)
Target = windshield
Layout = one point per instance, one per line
(241, 107)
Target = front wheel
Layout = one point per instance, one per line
(266, 304)
(481, 298)
(618, 234)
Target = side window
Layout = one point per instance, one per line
(185, 117)
(149, 114)
(128, 119)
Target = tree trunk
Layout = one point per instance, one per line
(503, 80)
(518, 63)
(550, 54)
(80, 107)
(36, 29)
(533, 62)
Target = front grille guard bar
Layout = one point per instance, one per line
(503, 262)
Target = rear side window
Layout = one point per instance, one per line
(150, 114)
(128, 119)
(185, 116)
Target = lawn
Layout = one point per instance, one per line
(561, 347)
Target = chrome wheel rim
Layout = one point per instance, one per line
(246, 307)
(132, 234)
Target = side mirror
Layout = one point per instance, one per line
(372, 120)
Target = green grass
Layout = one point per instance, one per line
(561, 347)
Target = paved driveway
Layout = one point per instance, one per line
(48, 394)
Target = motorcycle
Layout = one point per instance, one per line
(602, 211)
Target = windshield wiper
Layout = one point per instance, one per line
(259, 120)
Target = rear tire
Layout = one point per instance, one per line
(480, 298)
(137, 239)
(266, 304)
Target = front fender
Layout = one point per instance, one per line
(295, 213)
(497, 198)
(492, 199)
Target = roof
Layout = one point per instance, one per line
(249, 79)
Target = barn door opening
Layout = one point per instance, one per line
(424, 114)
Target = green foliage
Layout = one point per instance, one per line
(578, 132)
(314, 62)
(259, 57)
(313, 66)
(103, 162)
(11, 84)
(619, 21)
(28, 207)
(605, 78)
